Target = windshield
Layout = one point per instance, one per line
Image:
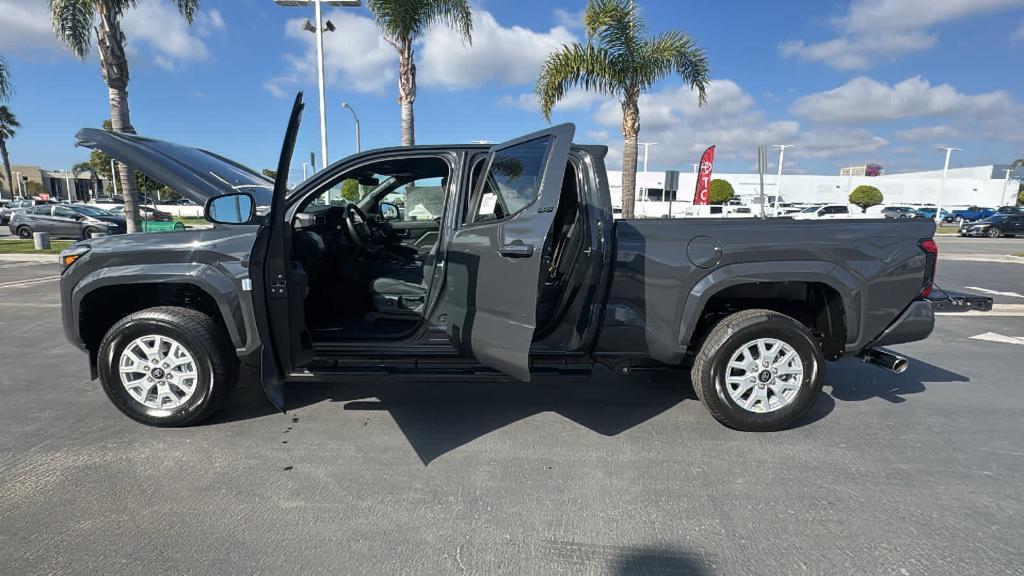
(810, 209)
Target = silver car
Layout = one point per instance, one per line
(67, 221)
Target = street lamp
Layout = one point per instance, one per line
(1006, 182)
(318, 29)
(778, 179)
(942, 186)
(647, 147)
(359, 146)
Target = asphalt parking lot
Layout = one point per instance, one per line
(917, 473)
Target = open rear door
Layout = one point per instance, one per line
(279, 287)
(494, 260)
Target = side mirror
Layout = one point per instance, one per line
(389, 211)
(234, 208)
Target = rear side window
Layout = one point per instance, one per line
(513, 180)
(63, 212)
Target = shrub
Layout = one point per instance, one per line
(866, 197)
(720, 192)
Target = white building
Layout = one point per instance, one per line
(974, 186)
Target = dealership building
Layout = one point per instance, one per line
(988, 185)
(56, 184)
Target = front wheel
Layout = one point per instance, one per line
(25, 233)
(167, 366)
(758, 371)
(993, 232)
(89, 233)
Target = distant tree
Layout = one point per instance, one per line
(33, 188)
(621, 61)
(8, 127)
(5, 82)
(866, 197)
(350, 190)
(403, 23)
(1018, 163)
(720, 191)
(272, 174)
(81, 167)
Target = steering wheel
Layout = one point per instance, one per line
(357, 226)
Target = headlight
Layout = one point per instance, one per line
(69, 256)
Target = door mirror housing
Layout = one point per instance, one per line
(234, 208)
(389, 211)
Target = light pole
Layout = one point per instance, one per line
(359, 146)
(67, 184)
(304, 164)
(942, 186)
(647, 147)
(318, 29)
(113, 178)
(778, 179)
(1006, 182)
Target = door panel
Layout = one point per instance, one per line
(279, 286)
(494, 260)
(418, 236)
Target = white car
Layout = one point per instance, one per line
(829, 211)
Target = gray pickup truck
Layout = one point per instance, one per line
(471, 261)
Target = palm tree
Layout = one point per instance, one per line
(1018, 163)
(403, 22)
(8, 127)
(619, 60)
(73, 25)
(5, 82)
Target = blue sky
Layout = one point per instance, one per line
(847, 82)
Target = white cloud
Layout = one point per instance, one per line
(161, 28)
(503, 55)
(864, 99)
(872, 30)
(26, 27)
(1018, 36)
(575, 99)
(730, 120)
(927, 133)
(355, 56)
(569, 19)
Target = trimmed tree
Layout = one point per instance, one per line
(720, 191)
(866, 197)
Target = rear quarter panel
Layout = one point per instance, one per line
(658, 292)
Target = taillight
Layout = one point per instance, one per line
(931, 253)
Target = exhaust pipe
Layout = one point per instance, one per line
(884, 359)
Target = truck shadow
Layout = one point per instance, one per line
(437, 418)
(853, 381)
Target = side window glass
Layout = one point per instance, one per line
(512, 180)
(841, 210)
(41, 210)
(420, 200)
(62, 212)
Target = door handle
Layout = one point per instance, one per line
(517, 250)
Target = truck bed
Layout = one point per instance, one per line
(666, 270)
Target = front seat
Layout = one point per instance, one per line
(403, 291)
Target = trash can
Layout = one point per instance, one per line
(41, 240)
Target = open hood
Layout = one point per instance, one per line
(193, 173)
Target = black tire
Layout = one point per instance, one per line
(207, 342)
(728, 336)
(25, 233)
(993, 232)
(88, 233)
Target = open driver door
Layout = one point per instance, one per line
(279, 285)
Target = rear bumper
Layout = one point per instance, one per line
(915, 323)
(959, 302)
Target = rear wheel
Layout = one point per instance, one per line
(167, 366)
(758, 370)
(24, 232)
(993, 232)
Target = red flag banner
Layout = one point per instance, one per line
(707, 161)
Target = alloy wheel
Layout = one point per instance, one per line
(158, 372)
(764, 375)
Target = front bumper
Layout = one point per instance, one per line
(975, 232)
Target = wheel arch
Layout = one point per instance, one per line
(822, 296)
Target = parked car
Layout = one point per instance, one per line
(995, 226)
(929, 212)
(525, 272)
(147, 213)
(66, 221)
(17, 205)
(970, 214)
(1010, 210)
(829, 212)
(899, 212)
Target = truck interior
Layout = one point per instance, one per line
(369, 240)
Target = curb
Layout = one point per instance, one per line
(47, 258)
